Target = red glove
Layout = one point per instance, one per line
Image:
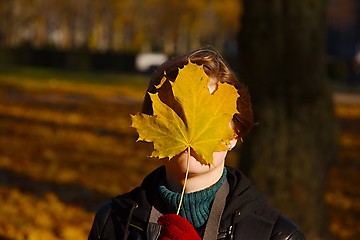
(175, 227)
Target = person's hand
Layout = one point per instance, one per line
(175, 227)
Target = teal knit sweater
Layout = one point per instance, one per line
(196, 206)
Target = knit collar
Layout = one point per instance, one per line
(196, 206)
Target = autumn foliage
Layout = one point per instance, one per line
(66, 146)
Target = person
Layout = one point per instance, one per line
(220, 202)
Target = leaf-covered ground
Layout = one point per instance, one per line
(66, 146)
(343, 189)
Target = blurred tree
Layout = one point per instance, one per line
(287, 154)
(102, 19)
(137, 25)
(4, 20)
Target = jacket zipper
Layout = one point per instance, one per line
(230, 232)
(134, 206)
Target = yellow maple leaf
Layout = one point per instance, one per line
(202, 123)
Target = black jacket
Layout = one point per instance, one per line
(246, 215)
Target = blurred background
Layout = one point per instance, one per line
(72, 72)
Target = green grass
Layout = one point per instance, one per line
(84, 83)
(99, 78)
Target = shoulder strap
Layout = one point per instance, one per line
(213, 223)
(153, 229)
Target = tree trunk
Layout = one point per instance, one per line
(282, 49)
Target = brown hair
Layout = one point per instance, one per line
(215, 67)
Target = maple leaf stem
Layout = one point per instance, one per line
(185, 181)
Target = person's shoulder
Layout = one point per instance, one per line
(102, 225)
(102, 216)
(285, 229)
(120, 201)
(103, 210)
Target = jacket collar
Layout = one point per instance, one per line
(141, 199)
(243, 197)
